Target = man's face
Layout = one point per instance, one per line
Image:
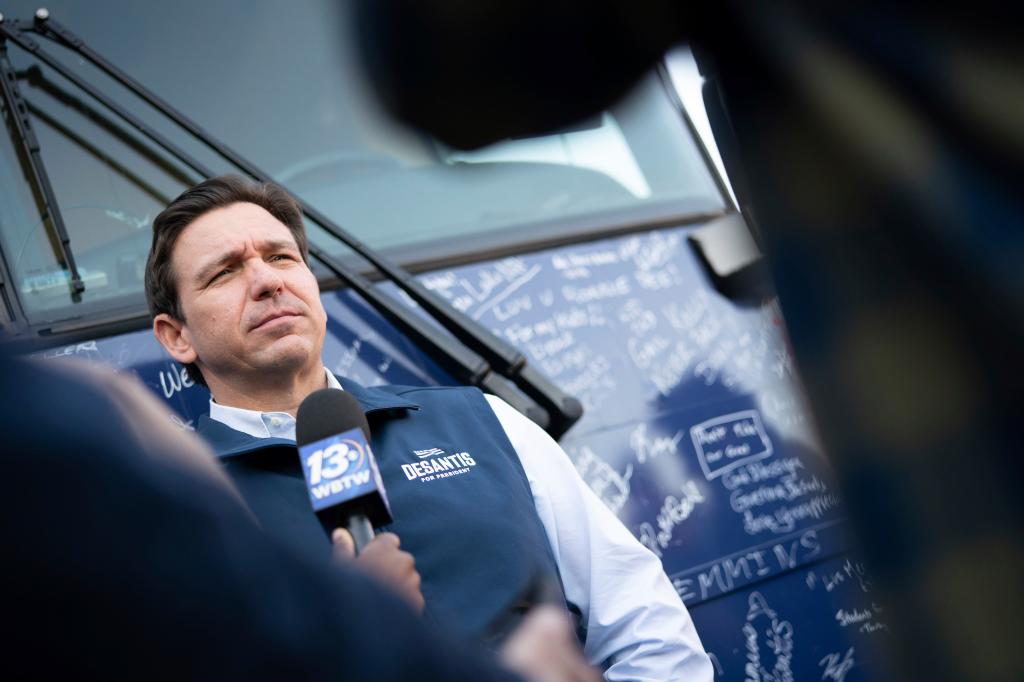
(251, 305)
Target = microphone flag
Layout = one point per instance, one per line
(340, 469)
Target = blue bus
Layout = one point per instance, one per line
(592, 256)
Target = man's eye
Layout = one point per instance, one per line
(281, 256)
(219, 275)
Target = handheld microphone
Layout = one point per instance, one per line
(342, 478)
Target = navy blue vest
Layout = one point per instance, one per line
(461, 501)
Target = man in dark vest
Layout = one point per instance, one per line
(234, 300)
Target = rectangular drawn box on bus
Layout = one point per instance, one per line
(729, 441)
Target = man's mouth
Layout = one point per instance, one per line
(274, 318)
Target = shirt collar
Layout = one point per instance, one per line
(262, 424)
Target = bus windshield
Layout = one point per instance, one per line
(282, 88)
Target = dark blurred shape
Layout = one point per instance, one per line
(129, 556)
(877, 151)
(472, 73)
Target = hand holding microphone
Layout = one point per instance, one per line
(346, 490)
(384, 560)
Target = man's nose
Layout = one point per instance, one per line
(264, 280)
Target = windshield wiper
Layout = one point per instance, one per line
(25, 138)
(472, 363)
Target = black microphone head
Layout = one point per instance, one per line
(326, 412)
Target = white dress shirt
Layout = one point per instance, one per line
(634, 618)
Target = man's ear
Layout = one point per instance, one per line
(173, 336)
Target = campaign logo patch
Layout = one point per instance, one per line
(434, 464)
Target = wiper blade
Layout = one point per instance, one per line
(28, 143)
(543, 402)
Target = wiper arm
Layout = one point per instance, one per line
(26, 140)
(461, 362)
(562, 409)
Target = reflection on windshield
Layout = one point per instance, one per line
(602, 148)
(298, 109)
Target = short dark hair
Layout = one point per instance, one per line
(218, 192)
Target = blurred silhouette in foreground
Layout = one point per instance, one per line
(130, 556)
(877, 154)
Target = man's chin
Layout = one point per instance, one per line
(286, 355)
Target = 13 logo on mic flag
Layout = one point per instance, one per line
(339, 468)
